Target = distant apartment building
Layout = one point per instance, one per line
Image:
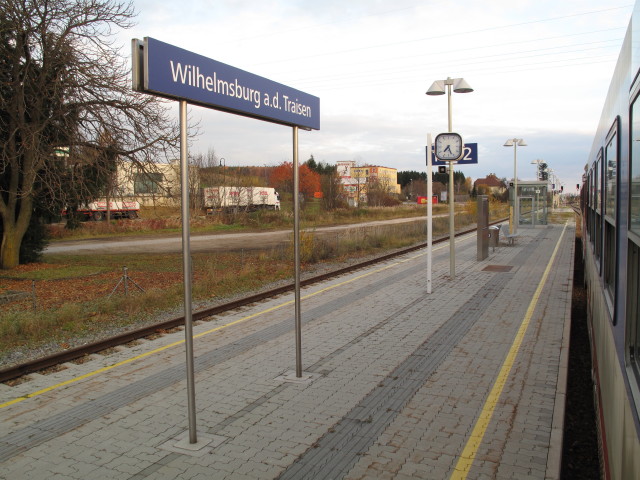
(359, 183)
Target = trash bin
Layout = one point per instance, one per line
(494, 236)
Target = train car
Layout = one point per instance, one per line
(611, 249)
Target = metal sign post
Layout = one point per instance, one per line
(429, 214)
(186, 269)
(452, 228)
(171, 72)
(296, 253)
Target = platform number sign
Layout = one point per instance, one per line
(469, 156)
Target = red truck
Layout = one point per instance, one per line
(423, 200)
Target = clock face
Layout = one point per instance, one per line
(448, 146)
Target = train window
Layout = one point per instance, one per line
(633, 307)
(592, 189)
(586, 191)
(597, 218)
(634, 198)
(609, 180)
(610, 175)
(634, 181)
(596, 184)
(633, 250)
(634, 173)
(592, 207)
(610, 259)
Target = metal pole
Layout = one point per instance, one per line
(429, 214)
(452, 228)
(186, 269)
(516, 213)
(296, 252)
(450, 123)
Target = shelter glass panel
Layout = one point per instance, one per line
(533, 203)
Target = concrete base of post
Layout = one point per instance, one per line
(203, 446)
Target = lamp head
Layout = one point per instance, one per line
(461, 86)
(436, 88)
(515, 141)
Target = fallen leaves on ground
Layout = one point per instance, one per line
(51, 294)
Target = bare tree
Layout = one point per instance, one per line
(381, 191)
(332, 191)
(64, 84)
(209, 167)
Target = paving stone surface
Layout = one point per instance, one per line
(398, 379)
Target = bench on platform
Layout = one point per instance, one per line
(511, 237)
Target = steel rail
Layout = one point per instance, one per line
(71, 354)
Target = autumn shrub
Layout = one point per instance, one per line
(307, 245)
(389, 201)
(471, 208)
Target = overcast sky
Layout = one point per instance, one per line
(540, 71)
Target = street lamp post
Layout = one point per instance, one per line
(223, 164)
(553, 180)
(537, 163)
(514, 217)
(459, 85)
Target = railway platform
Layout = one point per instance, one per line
(465, 382)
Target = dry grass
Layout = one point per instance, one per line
(73, 302)
(162, 220)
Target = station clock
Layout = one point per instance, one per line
(449, 146)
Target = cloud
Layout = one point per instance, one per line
(540, 71)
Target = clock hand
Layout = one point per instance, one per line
(448, 149)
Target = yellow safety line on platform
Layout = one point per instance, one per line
(463, 466)
(226, 325)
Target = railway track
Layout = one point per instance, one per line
(71, 354)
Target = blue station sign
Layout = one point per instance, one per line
(168, 71)
(469, 155)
